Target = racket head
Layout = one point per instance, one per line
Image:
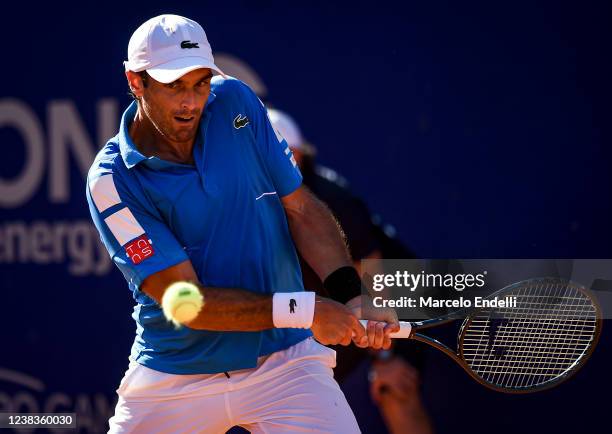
(542, 342)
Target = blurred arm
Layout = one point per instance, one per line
(395, 389)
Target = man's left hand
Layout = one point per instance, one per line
(382, 322)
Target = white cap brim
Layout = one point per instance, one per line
(175, 69)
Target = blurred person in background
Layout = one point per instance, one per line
(382, 387)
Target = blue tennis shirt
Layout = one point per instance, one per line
(224, 214)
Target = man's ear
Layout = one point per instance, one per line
(136, 83)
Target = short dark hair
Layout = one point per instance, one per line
(145, 78)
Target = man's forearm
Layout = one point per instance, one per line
(230, 309)
(317, 235)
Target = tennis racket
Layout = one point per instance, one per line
(536, 345)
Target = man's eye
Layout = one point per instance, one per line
(172, 85)
(204, 83)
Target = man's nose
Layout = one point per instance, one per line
(189, 100)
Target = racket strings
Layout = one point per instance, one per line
(549, 331)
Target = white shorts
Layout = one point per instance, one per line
(290, 391)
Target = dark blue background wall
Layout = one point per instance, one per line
(478, 129)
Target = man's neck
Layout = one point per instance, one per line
(150, 142)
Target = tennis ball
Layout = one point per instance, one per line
(182, 302)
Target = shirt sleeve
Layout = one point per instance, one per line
(137, 240)
(281, 163)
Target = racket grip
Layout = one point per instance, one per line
(403, 333)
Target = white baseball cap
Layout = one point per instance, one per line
(168, 47)
(286, 127)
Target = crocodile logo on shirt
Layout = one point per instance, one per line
(240, 121)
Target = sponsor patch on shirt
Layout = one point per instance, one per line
(139, 249)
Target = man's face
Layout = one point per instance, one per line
(175, 108)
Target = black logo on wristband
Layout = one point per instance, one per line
(292, 305)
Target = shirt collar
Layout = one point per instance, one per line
(129, 152)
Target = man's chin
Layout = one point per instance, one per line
(185, 135)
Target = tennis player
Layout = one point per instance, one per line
(197, 186)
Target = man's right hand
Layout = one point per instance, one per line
(334, 324)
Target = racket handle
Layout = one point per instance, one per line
(403, 333)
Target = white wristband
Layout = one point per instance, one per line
(293, 309)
